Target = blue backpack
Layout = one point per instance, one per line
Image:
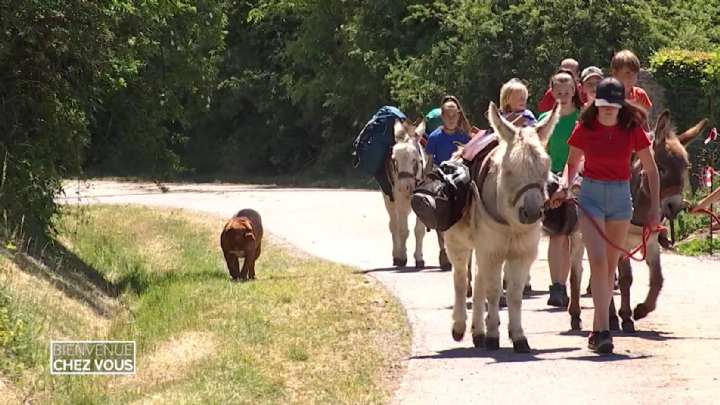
(372, 146)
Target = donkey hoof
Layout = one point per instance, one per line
(527, 291)
(628, 326)
(521, 346)
(502, 302)
(614, 323)
(640, 312)
(420, 264)
(468, 294)
(492, 343)
(479, 341)
(399, 262)
(457, 336)
(575, 323)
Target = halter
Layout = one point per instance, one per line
(417, 173)
(481, 181)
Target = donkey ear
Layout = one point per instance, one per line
(687, 136)
(421, 128)
(505, 129)
(546, 127)
(662, 127)
(409, 127)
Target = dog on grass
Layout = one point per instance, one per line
(242, 237)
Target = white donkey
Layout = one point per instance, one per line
(405, 169)
(502, 224)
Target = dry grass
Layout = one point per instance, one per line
(171, 360)
(8, 393)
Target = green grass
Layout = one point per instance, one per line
(306, 331)
(699, 247)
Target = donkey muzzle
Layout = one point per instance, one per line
(528, 215)
(531, 209)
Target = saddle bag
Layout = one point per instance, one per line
(562, 220)
(440, 199)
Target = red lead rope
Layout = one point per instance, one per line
(642, 247)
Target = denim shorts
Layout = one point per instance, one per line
(606, 200)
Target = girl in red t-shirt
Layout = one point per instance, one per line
(608, 132)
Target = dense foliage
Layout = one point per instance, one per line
(236, 88)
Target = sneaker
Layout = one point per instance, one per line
(558, 296)
(601, 342)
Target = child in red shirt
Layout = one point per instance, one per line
(608, 132)
(625, 67)
(548, 101)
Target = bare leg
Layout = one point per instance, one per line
(559, 261)
(616, 231)
(559, 258)
(443, 259)
(597, 255)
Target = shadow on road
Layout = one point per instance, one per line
(504, 355)
(405, 269)
(596, 358)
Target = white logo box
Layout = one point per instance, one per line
(82, 361)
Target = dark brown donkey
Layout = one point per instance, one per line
(672, 162)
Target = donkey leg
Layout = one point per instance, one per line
(393, 226)
(626, 279)
(489, 276)
(517, 270)
(403, 211)
(656, 280)
(576, 270)
(419, 236)
(459, 256)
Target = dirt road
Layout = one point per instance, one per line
(673, 358)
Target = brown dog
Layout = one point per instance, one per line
(242, 237)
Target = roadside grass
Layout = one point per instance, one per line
(306, 331)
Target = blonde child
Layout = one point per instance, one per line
(513, 103)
